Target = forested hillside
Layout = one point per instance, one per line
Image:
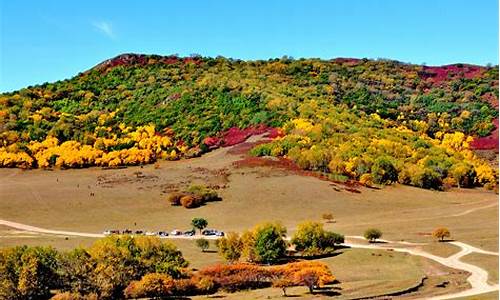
(376, 121)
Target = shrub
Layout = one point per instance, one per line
(185, 287)
(205, 193)
(203, 244)
(190, 201)
(230, 246)
(236, 277)
(206, 285)
(175, 198)
(312, 239)
(372, 234)
(152, 285)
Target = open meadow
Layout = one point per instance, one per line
(92, 200)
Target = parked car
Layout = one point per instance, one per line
(219, 233)
(127, 231)
(208, 232)
(162, 234)
(106, 232)
(189, 232)
(176, 232)
(139, 232)
(151, 233)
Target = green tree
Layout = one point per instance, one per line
(312, 239)
(372, 234)
(270, 245)
(199, 223)
(203, 244)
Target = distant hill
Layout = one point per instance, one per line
(378, 121)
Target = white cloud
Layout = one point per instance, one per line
(104, 27)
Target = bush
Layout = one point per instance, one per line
(203, 244)
(312, 239)
(205, 193)
(230, 247)
(152, 285)
(372, 234)
(190, 201)
(175, 198)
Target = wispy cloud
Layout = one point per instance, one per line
(105, 28)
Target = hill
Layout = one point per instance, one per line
(374, 121)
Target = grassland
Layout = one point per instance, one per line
(124, 198)
(487, 262)
(61, 200)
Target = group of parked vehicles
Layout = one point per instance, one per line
(162, 234)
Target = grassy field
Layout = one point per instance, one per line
(440, 249)
(487, 262)
(486, 296)
(61, 199)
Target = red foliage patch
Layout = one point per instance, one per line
(234, 135)
(131, 59)
(489, 142)
(439, 74)
(347, 60)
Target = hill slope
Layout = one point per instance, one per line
(375, 121)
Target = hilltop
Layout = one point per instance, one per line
(375, 121)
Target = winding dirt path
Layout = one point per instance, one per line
(478, 278)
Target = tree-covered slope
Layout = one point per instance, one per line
(380, 121)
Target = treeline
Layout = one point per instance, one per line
(182, 102)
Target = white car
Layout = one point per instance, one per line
(176, 232)
(106, 232)
(150, 233)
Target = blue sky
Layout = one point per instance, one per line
(51, 40)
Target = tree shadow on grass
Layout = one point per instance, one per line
(327, 291)
(446, 240)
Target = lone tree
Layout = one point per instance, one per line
(328, 217)
(203, 244)
(441, 233)
(372, 234)
(199, 223)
